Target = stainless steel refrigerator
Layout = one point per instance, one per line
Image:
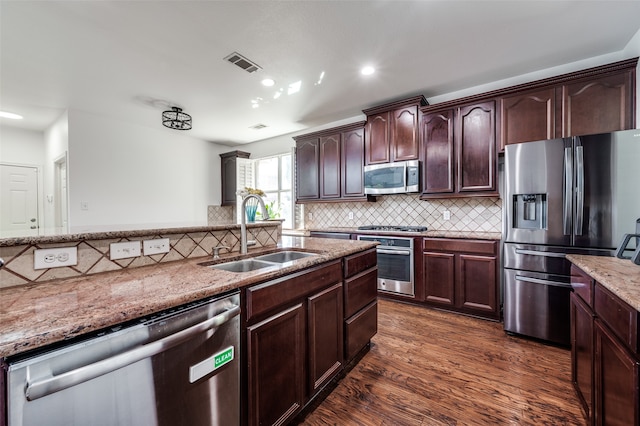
(572, 195)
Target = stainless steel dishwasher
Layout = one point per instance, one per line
(180, 367)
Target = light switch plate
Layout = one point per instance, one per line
(160, 245)
(55, 257)
(124, 250)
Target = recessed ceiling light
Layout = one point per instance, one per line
(268, 82)
(368, 70)
(10, 115)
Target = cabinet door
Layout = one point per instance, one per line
(616, 374)
(377, 149)
(330, 166)
(476, 145)
(276, 354)
(477, 289)
(307, 173)
(325, 336)
(404, 134)
(527, 117)
(437, 134)
(228, 181)
(353, 163)
(582, 353)
(439, 277)
(601, 105)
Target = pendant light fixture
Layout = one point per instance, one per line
(176, 119)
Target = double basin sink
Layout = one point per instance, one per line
(263, 261)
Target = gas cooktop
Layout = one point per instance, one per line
(392, 228)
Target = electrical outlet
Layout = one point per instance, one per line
(446, 215)
(150, 247)
(55, 257)
(350, 215)
(124, 250)
(310, 215)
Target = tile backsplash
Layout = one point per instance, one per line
(467, 214)
(93, 252)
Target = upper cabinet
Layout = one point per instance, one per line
(459, 151)
(596, 100)
(392, 131)
(330, 164)
(229, 165)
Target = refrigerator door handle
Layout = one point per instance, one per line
(579, 190)
(567, 191)
(540, 253)
(541, 281)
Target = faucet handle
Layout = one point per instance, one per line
(216, 251)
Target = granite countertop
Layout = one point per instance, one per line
(36, 315)
(429, 233)
(621, 276)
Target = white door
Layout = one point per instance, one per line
(18, 200)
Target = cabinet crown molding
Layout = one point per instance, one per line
(331, 131)
(419, 101)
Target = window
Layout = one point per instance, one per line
(274, 175)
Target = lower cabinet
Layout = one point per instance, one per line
(297, 337)
(605, 355)
(462, 275)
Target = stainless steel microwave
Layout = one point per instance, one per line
(392, 178)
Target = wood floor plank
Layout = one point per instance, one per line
(432, 368)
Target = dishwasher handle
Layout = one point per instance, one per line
(50, 385)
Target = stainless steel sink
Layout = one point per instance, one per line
(284, 256)
(244, 265)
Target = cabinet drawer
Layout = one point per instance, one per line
(582, 285)
(359, 262)
(360, 328)
(263, 298)
(359, 291)
(460, 245)
(621, 318)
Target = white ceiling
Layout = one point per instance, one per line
(129, 60)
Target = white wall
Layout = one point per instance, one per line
(21, 146)
(56, 145)
(134, 177)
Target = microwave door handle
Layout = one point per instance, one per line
(567, 191)
(44, 387)
(579, 190)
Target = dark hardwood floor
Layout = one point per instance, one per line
(427, 367)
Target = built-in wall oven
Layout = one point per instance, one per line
(395, 264)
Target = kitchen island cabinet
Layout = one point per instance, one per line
(605, 344)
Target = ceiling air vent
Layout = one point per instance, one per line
(258, 126)
(242, 62)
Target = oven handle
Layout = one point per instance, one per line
(396, 252)
(63, 381)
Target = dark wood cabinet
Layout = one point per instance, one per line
(330, 164)
(462, 275)
(392, 131)
(582, 347)
(460, 154)
(616, 379)
(324, 311)
(528, 116)
(307, 169)
(438, 146)
(228, 163)
(270, 369)
(476, 143)
(605, 356)
(599, 104)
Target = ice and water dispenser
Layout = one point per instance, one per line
(530, 211)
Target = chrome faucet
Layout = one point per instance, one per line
(243, 222)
